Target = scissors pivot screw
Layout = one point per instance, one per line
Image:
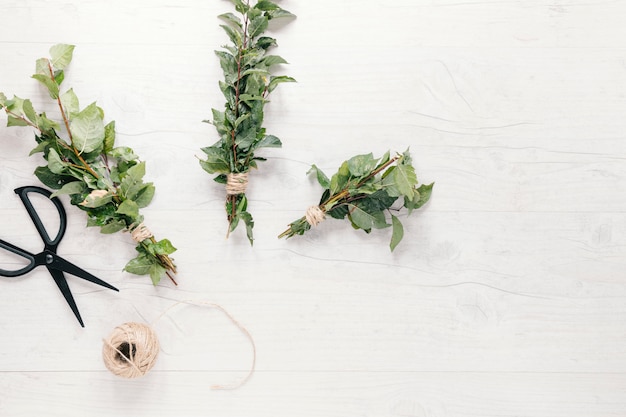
(49, 259)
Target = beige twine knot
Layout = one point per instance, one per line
(131, 350)
(236, 183)
(314, 215)
(141, 233)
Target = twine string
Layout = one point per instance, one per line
(233, 320)
(143, 346)
(236, 183)
(143, 349)
(314, 215)
(141, 233)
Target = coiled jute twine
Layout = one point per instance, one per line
(141, 233)
(314, 215)
(131, 350)
(236, 183)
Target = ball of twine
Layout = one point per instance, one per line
(131, 350)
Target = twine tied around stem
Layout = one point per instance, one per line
(236, 183)
(314, 215)
(141, 233)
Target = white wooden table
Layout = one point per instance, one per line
(507, 296)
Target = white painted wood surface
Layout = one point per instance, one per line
(507, 296)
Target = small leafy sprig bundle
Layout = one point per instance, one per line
(103, 180)
(364, 189)
(246, 87)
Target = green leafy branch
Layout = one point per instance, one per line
(103, 180)
(246, 86)
(364, 189)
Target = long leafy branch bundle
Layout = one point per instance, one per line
(363, 190)
(246, 87)
(103, 180)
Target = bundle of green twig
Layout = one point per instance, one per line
(246, 87)
(103, 180)
(364, 190)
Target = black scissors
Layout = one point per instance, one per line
(48, 257)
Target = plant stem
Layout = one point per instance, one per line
(22, 118)
(67, 127)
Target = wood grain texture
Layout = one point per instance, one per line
(507, 296)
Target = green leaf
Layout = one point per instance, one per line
(269, 141)
(42, 66)
(49, 83)
(274, 81)
(340, 179)
(45, 124)
(274, 14)
(365, 220)
(41, 147)
(234, 34)
(397, 234)
(50, 179)
(266, 5)
(258, 71)
(14, 121)
(145, 195)
(59, 76)
(240, 6)
(139, 265)
(123, 153)
(257, 26)
(231, 18)
(227, 62)
(69, 100)
(113, 226)
(132, 182)
(128, 208)
(217, 160)
(420, 198)
(321, 177)
(250, 97)
(377, 201)
(55, 164)
(61, 55)
(137, 172)
(29, 111)
(109, 137)
(87, 129)
(249, 222)
(3, 99)
(164, 247)
(361, 165)
(265, 42)
(240, 119)
(405, 180)
(76, 187)
(156, 273)
(382, 161)
(270, 60)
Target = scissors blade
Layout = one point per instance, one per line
(59, 278)
(66, 266)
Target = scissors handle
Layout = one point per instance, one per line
(20, 252)
(22, 192)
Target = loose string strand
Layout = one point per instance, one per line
(240, 326)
